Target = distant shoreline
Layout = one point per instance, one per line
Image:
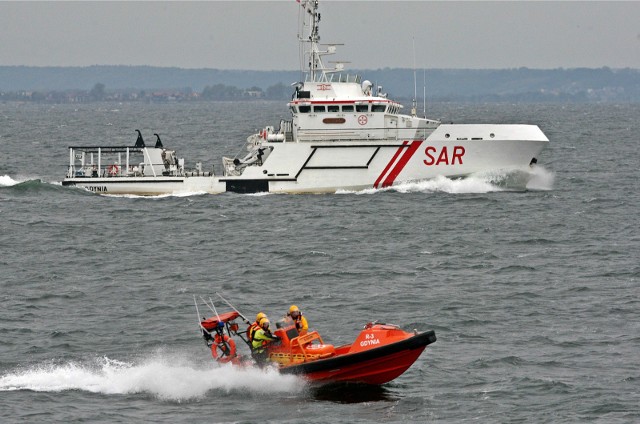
(146, 83)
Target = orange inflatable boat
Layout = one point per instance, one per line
(379, 354)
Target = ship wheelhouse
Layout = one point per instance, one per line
(340, 107)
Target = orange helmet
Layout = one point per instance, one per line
(260, 316)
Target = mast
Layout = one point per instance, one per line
(424, 92)
(414, 111)
(316, 71)
(316, 67)
(314, 37)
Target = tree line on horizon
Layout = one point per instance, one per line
(120, 83)
(99, 92)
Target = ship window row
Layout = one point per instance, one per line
(345, 108)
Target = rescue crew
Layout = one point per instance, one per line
(301, 322)
(255, 326)
(261, 339)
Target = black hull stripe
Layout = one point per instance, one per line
(114, 181)
(419, 341)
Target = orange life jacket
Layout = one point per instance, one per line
(251, 330)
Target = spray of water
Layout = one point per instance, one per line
(536, 178)
(166, 378)
(541, 179)
(7, 181)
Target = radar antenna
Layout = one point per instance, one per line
(316, 69)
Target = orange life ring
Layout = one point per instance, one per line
(113, 169)
(225, 355)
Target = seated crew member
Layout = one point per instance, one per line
(255, 326)
(261, 339)
(301, 322)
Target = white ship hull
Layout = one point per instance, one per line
(344, 134)
(325, 167)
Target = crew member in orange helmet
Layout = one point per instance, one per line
(301, 322)
(251, 330)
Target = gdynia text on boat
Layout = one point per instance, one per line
(344, 134)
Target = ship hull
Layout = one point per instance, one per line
(327, 166)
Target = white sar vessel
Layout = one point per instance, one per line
(344, 134)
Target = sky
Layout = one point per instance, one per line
(262, 35)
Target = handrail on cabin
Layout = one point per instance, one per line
(301, 341)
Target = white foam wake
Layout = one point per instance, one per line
(7, 181)
(536, 178)
(472, 184)
(166, 379)
(158, 196)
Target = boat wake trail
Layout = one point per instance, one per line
(166, 379)
(536, 178)
(25, 183)
(472, 184)
(159, 196)
(7, 181)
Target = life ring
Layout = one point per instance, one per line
(113, 169)
(225, 355)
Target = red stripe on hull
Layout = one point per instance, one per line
(401, 163)
(391, 162)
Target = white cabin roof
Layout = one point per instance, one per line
(335, 92)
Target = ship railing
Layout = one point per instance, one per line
(336, 76)
(119, 161)
(89, 161)
(363, 134)
(115, 170)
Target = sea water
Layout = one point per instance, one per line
(533, 292)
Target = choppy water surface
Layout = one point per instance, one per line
(533, 294)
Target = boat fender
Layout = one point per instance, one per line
(227, 349)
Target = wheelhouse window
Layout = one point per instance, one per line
(378, 108)
(347, 108)
(333, 108)
(362, 108)
(304, 109)
(319, 109)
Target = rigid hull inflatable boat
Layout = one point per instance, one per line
(379, 354)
